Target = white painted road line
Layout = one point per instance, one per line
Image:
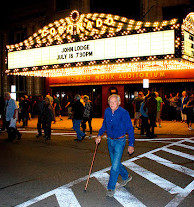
(121, 194)
(189, 140)
(66, 197)
(181, 154)
(180, 197)
(170, 164)
(185, 146)
(161, 182)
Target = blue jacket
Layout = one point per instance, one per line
(117, 124)
(143, 113)
(184, 102)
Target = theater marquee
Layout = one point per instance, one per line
(81, 47)
(137, 45)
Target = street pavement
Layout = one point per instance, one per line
(39, 173)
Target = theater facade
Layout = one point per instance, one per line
(98, 54)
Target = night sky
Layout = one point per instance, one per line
(125, 8)
(129, 9)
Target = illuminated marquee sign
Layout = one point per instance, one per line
(188, 36)
(137, 45)
(188, 44)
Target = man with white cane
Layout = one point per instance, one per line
(116, 124)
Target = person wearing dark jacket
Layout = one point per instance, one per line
(40, 107)
(25, 106)
(144, 126)
(47, 118)
(78, 109)
(151, 107)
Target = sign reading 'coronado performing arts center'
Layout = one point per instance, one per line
(95, 45)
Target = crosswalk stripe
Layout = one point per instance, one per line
(121, 194)
(159, 181)
(66, 197)
(170, 164)
(185, 146)
(189, 140)
(181, 154)
(180, 197)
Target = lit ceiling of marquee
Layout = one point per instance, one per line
(80, 27)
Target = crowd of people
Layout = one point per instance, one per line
(47, 109)
(151, 108)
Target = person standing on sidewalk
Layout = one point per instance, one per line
(25, 106)
(69, 107)
(11, 111)
(184, 100)
(144, 116)
(159, 108)
(47, 118)
(151, 108)
(190, 112)
(77, 112)
(117, 123)
(136, 104)
(57, 107)
(87, 115)
(40, 107)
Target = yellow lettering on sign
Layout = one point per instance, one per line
(53, 31)
(79, 27)
(109, 21)
(89, 25)
(70, 28)
(61, 29)
(44, 32)
(141, 75)
(96, 77)
(162, 74)
(99, 23)
(102, 76)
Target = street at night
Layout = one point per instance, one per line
(97, 103)
(35, 172)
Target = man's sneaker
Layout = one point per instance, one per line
(124, 182)
(83, 137)
(110, 193)
(77, 140)
(90, 137)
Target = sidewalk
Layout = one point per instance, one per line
(168, 127)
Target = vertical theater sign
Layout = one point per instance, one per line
(98, 49)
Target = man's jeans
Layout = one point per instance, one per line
(116, 148)
(76, 127)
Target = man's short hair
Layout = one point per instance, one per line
(47, 99)
(114, 95)
(86, 97)
(77, 97)
(7, 94)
